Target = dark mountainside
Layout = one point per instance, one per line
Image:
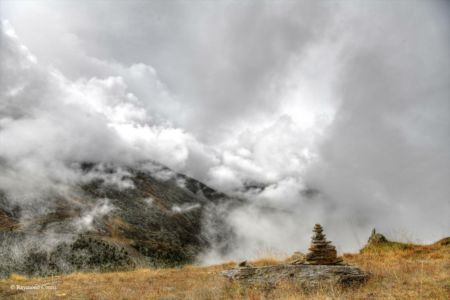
(166, 219)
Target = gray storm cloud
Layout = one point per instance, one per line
(340, 111)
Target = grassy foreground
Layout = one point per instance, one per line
(398, 271)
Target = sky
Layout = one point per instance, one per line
(341, 110)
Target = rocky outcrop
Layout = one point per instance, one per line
(306, 276)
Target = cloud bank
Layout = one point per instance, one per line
(324, 112)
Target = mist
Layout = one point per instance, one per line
(324, 112)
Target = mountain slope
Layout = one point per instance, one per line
(118, 217)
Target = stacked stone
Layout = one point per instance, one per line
(321, 252)
(376, 238)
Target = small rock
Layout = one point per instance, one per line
(243, 264)
(296, 258)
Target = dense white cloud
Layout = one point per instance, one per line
(49, 122)
(323, 112)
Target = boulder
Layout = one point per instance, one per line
(306, 276)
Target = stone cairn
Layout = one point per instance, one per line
(376, 238)
(321, 268)
(321, 252)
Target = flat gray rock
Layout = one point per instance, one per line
(308, 276)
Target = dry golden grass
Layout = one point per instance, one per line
(398, 271)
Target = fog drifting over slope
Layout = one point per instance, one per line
(348, 99)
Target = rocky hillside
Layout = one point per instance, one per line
(117, 218)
